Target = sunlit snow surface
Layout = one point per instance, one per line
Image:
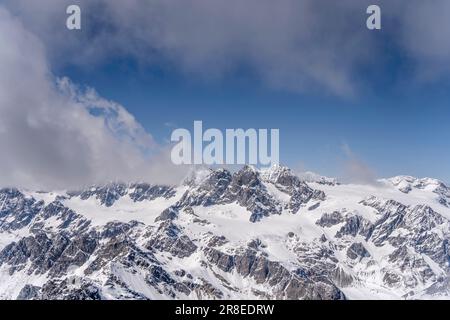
(232, 222)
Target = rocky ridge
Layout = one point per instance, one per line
(263, 234)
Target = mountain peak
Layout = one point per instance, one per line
(275, 172)
(196, 175)
(407, 183)
(313, 177)
(268, 227)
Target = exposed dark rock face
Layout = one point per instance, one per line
(145, 191)
(210, 191)
(170, 213)
(169, 238)
(414, 232)
(66, 218)
(287, 285)
(287, 182)
(247, 188)
(65, 290)
(248, 191)
(191, 250)
(355, 225)
(330, 219)
(108, 194)
(217, 241)
(28, 292)
(357, 250)
(16, 210)
(53, 255)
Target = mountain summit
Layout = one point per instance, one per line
(249, 234)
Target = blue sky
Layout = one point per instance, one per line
(349, 102)
(392, 127)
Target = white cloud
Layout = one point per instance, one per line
(294, 45)
(116, 118)
(55, 135)
(425, 36)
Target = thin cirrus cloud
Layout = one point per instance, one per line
(56, 135)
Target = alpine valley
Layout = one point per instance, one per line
(250, 234)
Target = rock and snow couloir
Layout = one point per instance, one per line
(251, 234)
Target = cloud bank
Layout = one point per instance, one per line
(56, 135)
(289, 44)
(295, 45)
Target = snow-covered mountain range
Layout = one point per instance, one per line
(251, 234)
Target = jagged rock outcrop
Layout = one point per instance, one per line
(285, 284)
(247, 188)
(109, 193)
(266, 228)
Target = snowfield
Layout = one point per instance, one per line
(219, 235)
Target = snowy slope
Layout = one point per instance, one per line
(220, 235)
